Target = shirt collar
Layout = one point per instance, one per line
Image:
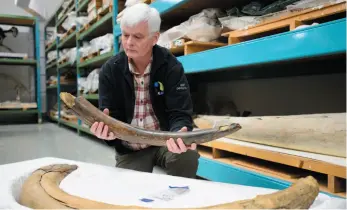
(132, 68)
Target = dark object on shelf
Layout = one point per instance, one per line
(12, 30)
(259, 8)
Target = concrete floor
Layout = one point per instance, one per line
(31, 141)
(19, 142)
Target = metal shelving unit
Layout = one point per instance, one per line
(17, 62)
(34, 63)
(292, 46)
(101, 27)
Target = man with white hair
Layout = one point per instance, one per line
(145, 86)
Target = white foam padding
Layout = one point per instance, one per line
(126, 187)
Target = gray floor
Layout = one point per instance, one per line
(31, 141)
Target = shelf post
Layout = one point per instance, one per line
(38, 69)
(114, 23)
(78, 76)
(58, 79)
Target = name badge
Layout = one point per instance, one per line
(159, 88)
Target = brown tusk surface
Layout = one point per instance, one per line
(41, 191)
(89, 114)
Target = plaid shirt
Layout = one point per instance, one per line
(144, 116)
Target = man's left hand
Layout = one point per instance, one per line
(179, 147)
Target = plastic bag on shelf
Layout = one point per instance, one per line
(102, 42)
(53, 80)
(92, 82)
(51, 55)
(85, 50)
(106, 3)
(204, 27)
(238, 19)
(258, 8)
(305, 4)
(51, 34)
(62, 55)
(71, 55)
(81, 83)
(236, 23)
(129, 3)
(81, 21)
(60, 35)
(70, 21)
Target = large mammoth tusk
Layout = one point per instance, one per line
(89, 114)
(41, 191)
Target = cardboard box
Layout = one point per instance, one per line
(106, 3)
(92, 14)
(94, 4)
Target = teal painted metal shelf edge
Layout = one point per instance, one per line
(166, 6)
(162, 7)
(18, 20)
(38, 69)
(324, 39)
(12, 61)
(19, 111)
(82, 5)
(217, 171)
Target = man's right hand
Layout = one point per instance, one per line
(101, 131)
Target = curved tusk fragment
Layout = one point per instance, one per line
(41, 191)
(89, 114)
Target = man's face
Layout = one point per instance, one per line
(137, 41)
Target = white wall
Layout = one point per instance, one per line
(24, 43)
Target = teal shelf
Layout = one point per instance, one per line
(52, 47)
(17, 20)
(52, 86)
(11, 61)
(99, 28)
(91, 96)
(85, 130)
(70, 124)
(65, 65)
(222, 172)
(96, 61)
(218, 171)
(73, 125)
(83, 5)
(51, 65)
(69, 41)
(167, 6)
(54, 118)
(291, 45)
(19, 111)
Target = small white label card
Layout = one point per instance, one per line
(167, 194)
